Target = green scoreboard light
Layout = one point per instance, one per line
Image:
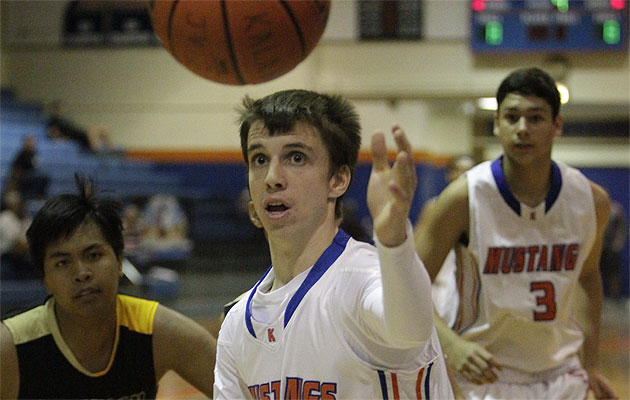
(549, 25)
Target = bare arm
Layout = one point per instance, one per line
(590, 280)
(441, 225)
(437, 232)
(9, 370)
(182, 345)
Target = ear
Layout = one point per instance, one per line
(253, 216)
(558, 123)
(339, 182)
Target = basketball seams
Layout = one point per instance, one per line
(169, 26)
(296, 25)
(228, 39)
(240, 42)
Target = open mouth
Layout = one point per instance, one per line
(276, 207)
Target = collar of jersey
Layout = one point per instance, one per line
(499, 178)
(328, 257)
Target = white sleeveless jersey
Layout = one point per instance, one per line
(305, 353)
(523, 268)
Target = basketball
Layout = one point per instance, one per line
(239, 42)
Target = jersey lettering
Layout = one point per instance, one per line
(295, 389)
(270, 336)
(506, 260)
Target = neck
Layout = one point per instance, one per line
(91, 339)
(292, 256)
(529, 185)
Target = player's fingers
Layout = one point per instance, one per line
(489, 376)
(470, 375)
(487, 365)
(401, 139)
(472, 367)
(379, 151)
(404, 173)
(493, 362)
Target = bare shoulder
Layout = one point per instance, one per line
(452, 204)
(456, 194)
(184, 346)
(170, 324)
(9, 371)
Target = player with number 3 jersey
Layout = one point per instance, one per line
(534, 230)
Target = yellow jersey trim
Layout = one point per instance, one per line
(29, 325)
(133, 313)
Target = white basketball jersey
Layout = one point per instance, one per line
(524, 267)
(305, 353)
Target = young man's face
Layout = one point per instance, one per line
(526, 128)
(289, 179)
(82, 272)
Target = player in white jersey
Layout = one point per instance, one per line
(332, 317)
(534, 230)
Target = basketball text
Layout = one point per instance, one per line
(294, 389)
(557, 257)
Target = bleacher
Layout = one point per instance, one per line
(222, 236)
(61, 159)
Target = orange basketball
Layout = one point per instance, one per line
(239, 42)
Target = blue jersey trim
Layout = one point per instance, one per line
(504, 190)
(427, 381)
(328, 257)
(556, 185)
(383, 381)
(248, 313)
(324, 262)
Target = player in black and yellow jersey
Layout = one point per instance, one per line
(88, 341)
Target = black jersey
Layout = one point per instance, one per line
(49, 370)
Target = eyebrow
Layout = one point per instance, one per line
(529, 109)
(60, 254)
(296, 145)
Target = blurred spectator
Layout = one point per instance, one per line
(134, 231)
(163, 230)
(165, 218)
(614, 241)
(25, 176)
(95, 139)
(14, 258)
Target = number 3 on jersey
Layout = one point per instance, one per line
(547, 299)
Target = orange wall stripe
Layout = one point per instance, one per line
(235, 156)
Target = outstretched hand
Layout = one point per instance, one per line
(391, 188)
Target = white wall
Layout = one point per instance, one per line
(149, 101)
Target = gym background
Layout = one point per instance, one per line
(423, 64)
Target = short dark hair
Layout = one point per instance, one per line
(333, 116)
(531, 81)
(61, 215)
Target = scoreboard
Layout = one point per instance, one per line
(549, 25)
